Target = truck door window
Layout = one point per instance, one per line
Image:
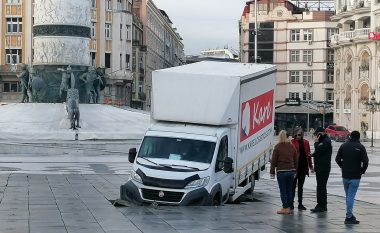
(222, 154)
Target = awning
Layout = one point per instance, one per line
(303, 108)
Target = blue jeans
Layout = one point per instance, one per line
(350, 187)
(285, 183)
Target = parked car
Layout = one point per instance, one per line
(338, 133)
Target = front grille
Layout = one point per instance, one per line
(151, 194)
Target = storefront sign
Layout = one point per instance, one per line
(295, 101)
(374, 36)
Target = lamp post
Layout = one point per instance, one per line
(322, 110)
(372, 106)
(307, 85)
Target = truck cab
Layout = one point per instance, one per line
(182, 164)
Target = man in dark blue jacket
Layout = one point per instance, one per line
(352, 158)
(322, 166)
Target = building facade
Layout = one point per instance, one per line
(164, 47)
(110, 46)
(357, 64)
(297, 41)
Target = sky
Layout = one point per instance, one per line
(205, 24)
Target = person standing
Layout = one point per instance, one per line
(353, 160)
(322, 166)
(284, 164)
(304, 164)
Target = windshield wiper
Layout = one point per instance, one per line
(162, 165)
(176, 165)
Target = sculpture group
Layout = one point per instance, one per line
(89, 84)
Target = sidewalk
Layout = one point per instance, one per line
(81, 204)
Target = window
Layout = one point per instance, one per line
(93, 3)
(13, 56)
(330, 96)
(294, 95)
(127, 60)
(330, 76)
(93, 29)
(307, 55)
(14, 1)
(308, 34)
(93, 58)
(295, 35)
(108, 5)
(108, 31)
(330, 55)
(119, 91)
(128, 28)
(331, 32)
(107, 60)
(307, 76)
(119, 5)
(305, 94)
(14, 25)
(294, 55)
(107, 90)
(294, 76)
(222, 154)
(11, 87)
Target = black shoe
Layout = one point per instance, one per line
(318, 209)
(292, 207)
(301, 207)
(351, 220)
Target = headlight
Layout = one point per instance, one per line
(136, 177)
(198, 183)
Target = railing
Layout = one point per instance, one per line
(362, 32)
(347, 35)
(334, 39)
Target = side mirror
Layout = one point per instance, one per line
(227, 168)
(132, 155)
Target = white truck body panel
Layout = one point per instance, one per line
(201, 93)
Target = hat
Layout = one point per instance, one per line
(319, 130)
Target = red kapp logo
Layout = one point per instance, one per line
(256, 113)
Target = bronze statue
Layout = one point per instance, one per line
(92, 82)
(25, 84)
(72, 107)
(67, 81)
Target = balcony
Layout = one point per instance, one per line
(350, 36)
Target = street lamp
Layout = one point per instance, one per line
(322, 110)
(307, 85)
(372, 106)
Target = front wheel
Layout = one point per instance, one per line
(216, 200)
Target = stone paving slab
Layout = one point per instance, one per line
(81, 203)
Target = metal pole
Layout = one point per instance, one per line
(372, 131)
(308, 112)
(256, 31)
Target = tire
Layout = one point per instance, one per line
(216, 200)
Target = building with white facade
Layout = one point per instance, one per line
(163, 43)
(357, 64)
(297, 41)
(110, 44)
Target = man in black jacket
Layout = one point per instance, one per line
(352, 158)
(322, 167)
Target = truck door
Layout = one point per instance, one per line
(221, 177)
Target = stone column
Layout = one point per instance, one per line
(62, 31)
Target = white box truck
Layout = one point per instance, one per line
(211, 136)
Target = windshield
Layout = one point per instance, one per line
(340, 128)
(177, 149)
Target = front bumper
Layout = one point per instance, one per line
(140, 194)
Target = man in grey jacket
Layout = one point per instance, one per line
(353, 160)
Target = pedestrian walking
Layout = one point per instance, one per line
(304, 164)
(322, 166)
(353, 160)
(284, 164)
